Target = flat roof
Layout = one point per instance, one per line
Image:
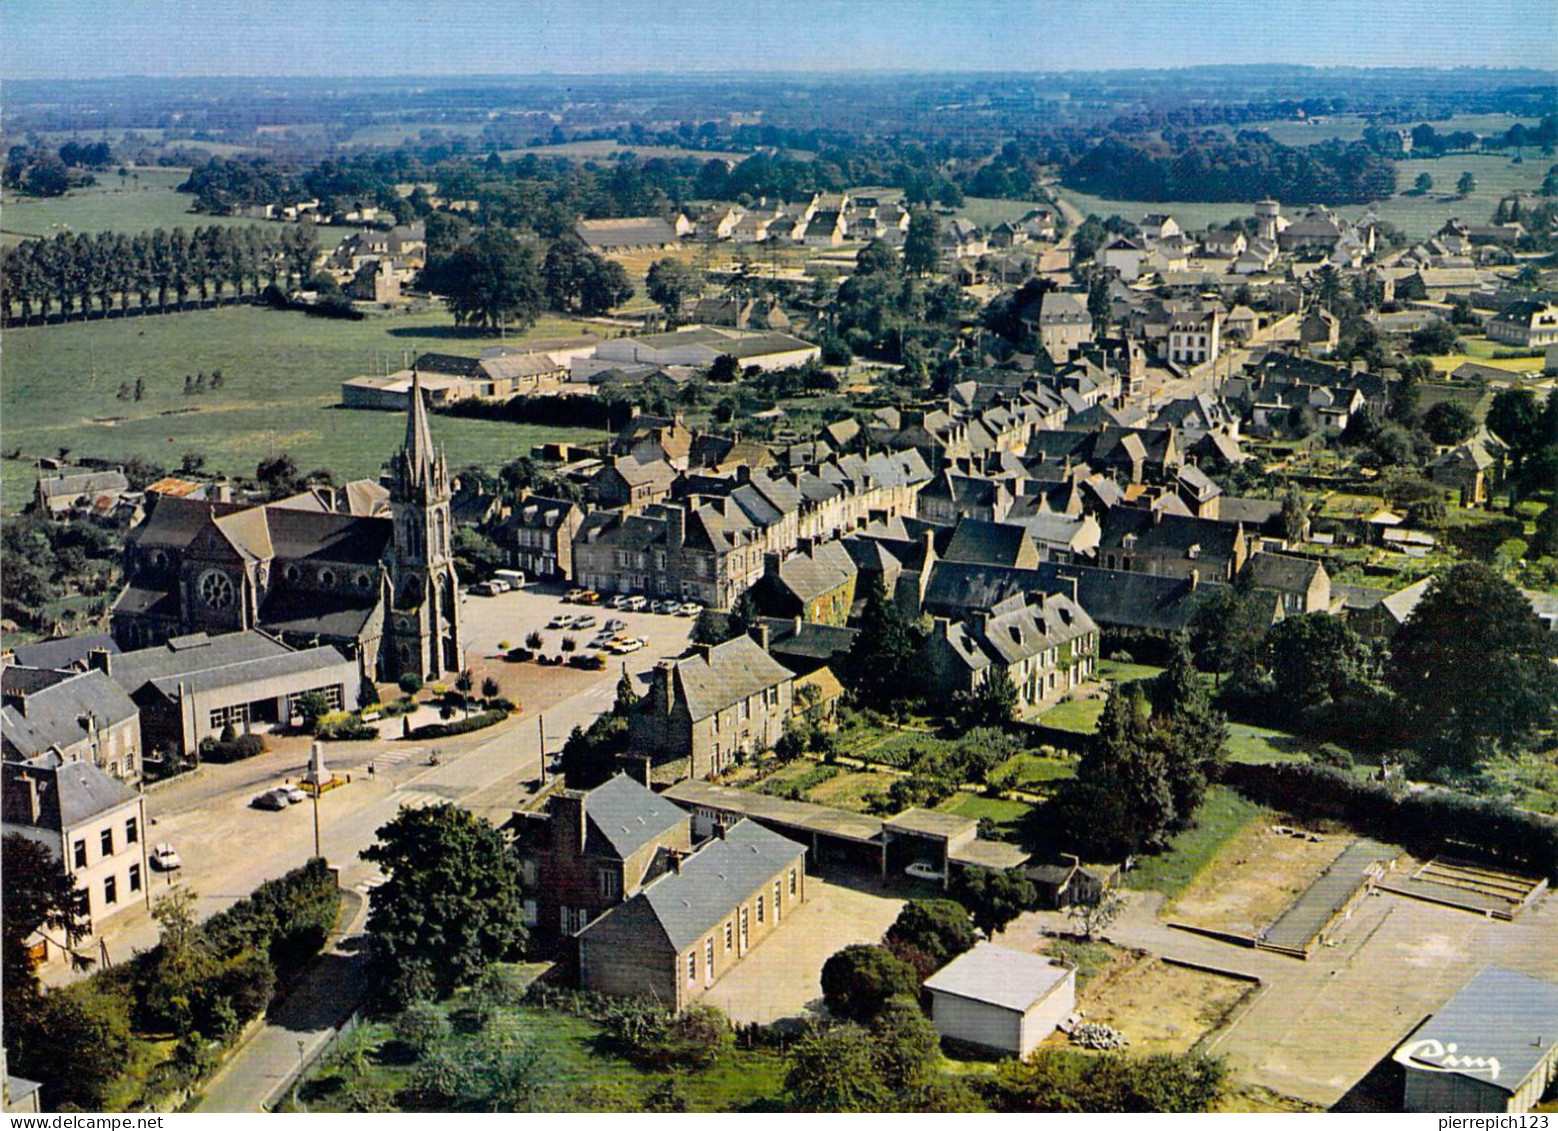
(993, 854)
(1498, 1030)
(999, 976)
(927, 822)
(796, 814)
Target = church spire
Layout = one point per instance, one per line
(418, 449)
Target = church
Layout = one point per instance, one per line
(371, 573)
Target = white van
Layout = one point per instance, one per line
(514, 577)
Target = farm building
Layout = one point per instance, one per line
(1002, 999)
(1492, 1047)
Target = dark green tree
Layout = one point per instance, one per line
(38, 895)
(1448, 423)
(882, 655)
(858, 981)
(920, 250)
(1473, 668)
(671, 283)
(493, 281)
(451, 903)
(993, 898)
(940, 929)
(834, 1069)
(1316, 660)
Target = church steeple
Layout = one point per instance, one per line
(418, 448)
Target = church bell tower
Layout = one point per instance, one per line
(422, 633)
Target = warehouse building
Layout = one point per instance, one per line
(1492, 1047)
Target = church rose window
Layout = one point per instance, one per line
(216, 589)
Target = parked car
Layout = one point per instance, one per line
(620, 601)
(272, 799)
(490, 588)
(573, 594)
(615, 624)
(923, 870)
(586, 621)
(623, 647)
(293, 794)
(689, 609)
(165, 858)
(665, 608)
(561, 620)
(589, 597)
(635, 604)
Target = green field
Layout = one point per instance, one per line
(139, 203)
(608, 150)
(987, 212)
(282, 375)
(1418, 217)
(1008, 816)
(1220, 817)
(1350, 127)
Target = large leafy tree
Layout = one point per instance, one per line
(1473, 668)
(994, 898)
(835, 1070)
(451, 904)
(920, 252)
(1226, 628)
(671, 282)
(939, 929)
(858, 981)
(1316, 660)
(491, 281)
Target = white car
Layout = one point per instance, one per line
(635, 604)
(665, 607)
(623, 647)
(923, 870)
(293, 794)
(615, 624)
(620, 601)
(689, 609)
(586, 621)
(165, 858)
(559, 621)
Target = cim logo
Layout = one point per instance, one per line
(1432, 1056)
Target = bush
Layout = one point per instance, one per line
(657, 1040)
(244, 746)
(569, 644)
(420, 1027)
(502, 703)
(287, 919)
(519, 655)
(587, 662)
(859, 980)
(477, 721)
(410, 683)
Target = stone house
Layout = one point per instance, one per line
(1047, 647)
(586, 852)
(82, 716)
(537, 534)
(702, 712)
(696, 921)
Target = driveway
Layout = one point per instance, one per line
(783, 976)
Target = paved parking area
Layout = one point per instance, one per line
(783, 976)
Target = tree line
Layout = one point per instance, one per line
(75, 273)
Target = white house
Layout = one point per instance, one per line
(1002, 999)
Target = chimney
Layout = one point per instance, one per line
(1195, 578)
(102, 660)
(798, 622)
(930, 546)
(674, 859)
(568, 826)
(662, 684)
(771, 564)
(743, 471)
(761, 634)
(224, 492)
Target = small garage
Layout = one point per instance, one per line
(1001, 999)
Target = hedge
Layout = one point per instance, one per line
(459, 726)
(234, 750)
(287, 919)
(1426, 821)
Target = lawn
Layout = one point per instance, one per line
(1262, 745)
(1123, 671)
(1192, 215)
(1009, 816)
(1035, 771)
(1079, 716)
(139, 203)
(574, 1073)
(1350, 127)
(282, 375)
(850, 789)
(987, 212)
(1221, 817)
(606, 149)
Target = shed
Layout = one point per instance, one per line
(1002, 999)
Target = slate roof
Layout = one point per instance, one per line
(322, 658)
(196, 652)
(1168, 534)
(805, 815)
(69, 793)
(322, 614)
(1500, 1015)
(638, 231)
(809, 576)
(713, 679)
(995, 543)
(65, 652)
(81, 483)
(622, 816)
(55, 705)
(1281, 572)
(688, 904)
(999, 976)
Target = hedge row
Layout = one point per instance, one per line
(459, 726)
(1426, 821)
(231, 750)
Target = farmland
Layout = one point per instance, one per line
(282, 374)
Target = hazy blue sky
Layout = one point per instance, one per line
(82, 39)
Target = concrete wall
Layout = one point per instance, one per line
(976, 1022)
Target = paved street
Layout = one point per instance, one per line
(1318, 1026)
(229, 848)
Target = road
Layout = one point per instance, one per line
(229, 849)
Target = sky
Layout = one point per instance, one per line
(74, 39)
